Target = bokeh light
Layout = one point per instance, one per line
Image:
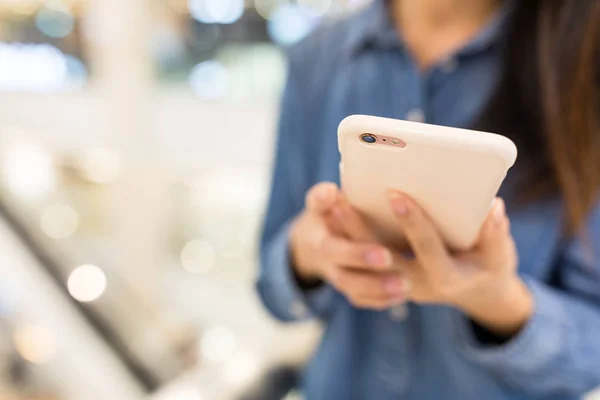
(59, 221)
(55, 19)
(198, 256)
(98, 165)
(35, 344)
(86, 283)
(209, 79)
(265, 8)
(216, 11)
(76, 72)
(28, 169)
(316, 7)
(290, 24)
(218, 344)
(32, 67)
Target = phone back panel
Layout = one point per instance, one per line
(454, 174)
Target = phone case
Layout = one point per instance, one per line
(454, 174)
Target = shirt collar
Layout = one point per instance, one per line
(373, 27)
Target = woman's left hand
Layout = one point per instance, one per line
(482, 282)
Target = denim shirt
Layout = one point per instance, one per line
(359, 65)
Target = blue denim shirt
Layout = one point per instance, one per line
(359, 65)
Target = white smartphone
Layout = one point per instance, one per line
(454, 174)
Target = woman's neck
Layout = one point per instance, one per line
(434, 29)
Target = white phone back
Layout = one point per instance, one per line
(454, 174)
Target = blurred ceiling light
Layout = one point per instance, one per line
(265, 8)
(290, 24)
(76, 71)
(59, 221)
(218, 344)
(216, 11)
(28, 169)
(209, 79)
(32, 67)
(23, 7)
(86, 283)
(198, 256)
(35, 344)
(98, 165)
(316, 7)
(55, 19)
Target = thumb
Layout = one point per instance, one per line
(495, 241)
(322, 197)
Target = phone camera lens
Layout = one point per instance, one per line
(368, 138)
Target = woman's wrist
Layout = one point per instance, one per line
(303, 272)
(503, 310)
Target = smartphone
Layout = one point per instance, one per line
(453, 174)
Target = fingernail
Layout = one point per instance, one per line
(323, 194)
(499, 211)
(398, 204)
(379, 258)
(393, 286)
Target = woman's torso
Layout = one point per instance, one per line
(359, 66)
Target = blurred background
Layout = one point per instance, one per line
(135, 148)
(136, 141)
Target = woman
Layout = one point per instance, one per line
(516, 317)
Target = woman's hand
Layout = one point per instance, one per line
(360, 270)
(482, 282)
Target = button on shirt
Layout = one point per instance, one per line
(360, 65)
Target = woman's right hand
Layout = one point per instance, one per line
(362, 271)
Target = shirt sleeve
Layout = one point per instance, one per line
(292, 176)
(557, 353)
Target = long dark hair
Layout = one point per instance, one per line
(548, 102)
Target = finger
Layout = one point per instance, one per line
(321, 197)
(374, 303)
(422, 235)
(341, 251)
(350, 222)
(495, 241)
(388, 287)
